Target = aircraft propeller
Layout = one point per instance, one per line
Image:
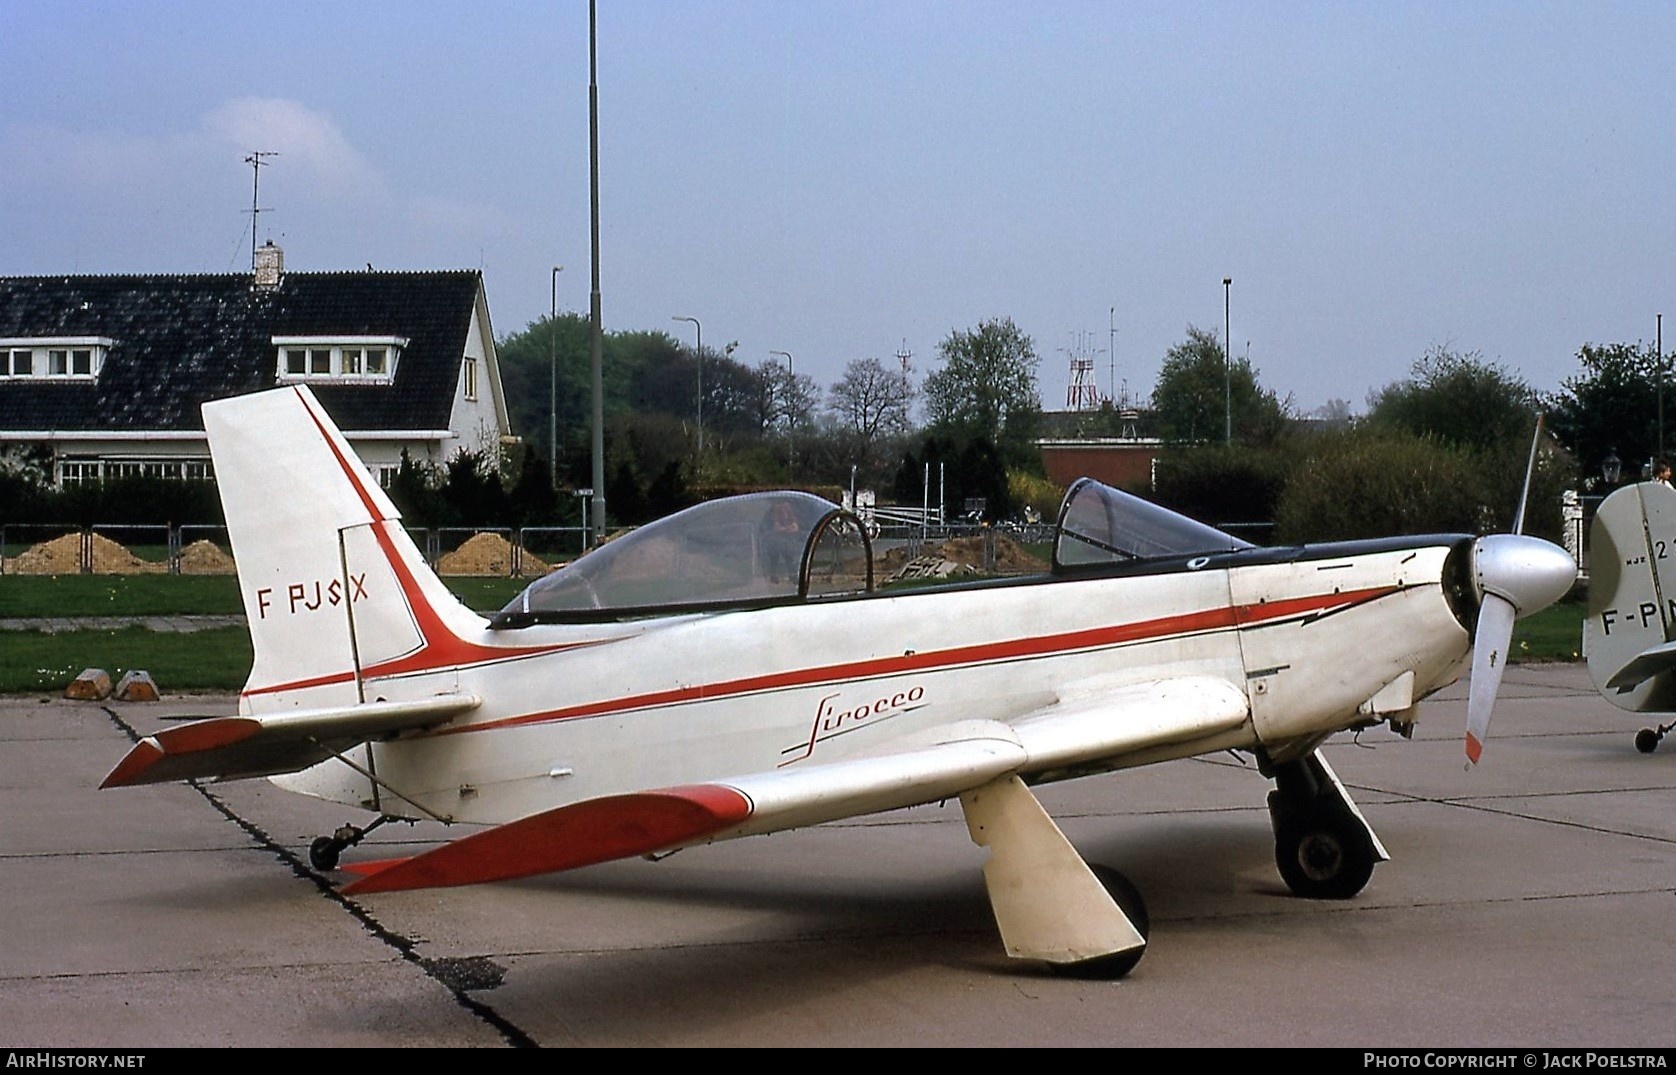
(1514, 575)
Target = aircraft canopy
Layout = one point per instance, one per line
(1102, 525)
(751, 549)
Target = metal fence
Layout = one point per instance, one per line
(204, 549)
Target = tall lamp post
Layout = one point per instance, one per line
(1227, 363)
(700, 354)
(553, 383)
(791, 413)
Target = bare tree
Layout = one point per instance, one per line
(871, 402)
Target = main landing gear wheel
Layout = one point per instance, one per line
(1323, 849)
(1110, 968)
(1323, 856)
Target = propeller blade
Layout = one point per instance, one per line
(1489, 658)
(1530, 472)
(1515, 575)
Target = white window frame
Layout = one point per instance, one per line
(469, 376)
(54, 358)
(335, 359)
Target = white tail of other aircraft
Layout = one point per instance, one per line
(333, 587)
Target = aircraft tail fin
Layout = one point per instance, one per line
(1629, 634)
(333, 587)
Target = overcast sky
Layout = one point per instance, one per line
(835, 178)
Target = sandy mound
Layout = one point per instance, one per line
(204, 557)
(62, 556)
(487, 554)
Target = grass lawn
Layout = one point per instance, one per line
(1554, 634)
(32, 661)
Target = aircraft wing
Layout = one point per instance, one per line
(231, 748)
(1089, 727)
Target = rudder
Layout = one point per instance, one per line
(1632, 598)
(331, 583)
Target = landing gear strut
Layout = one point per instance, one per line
(323, 853)
(1647, 739)
(1322, 846)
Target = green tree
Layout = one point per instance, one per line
(1611, 407)
(1459, 399)
(1372, 482)
(1198, 390)
(986, 388)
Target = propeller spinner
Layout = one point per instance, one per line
(1514, 575)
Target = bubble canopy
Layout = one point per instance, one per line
(1102, 525)
(760, 548)
(782, 547)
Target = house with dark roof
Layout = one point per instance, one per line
(108, 372)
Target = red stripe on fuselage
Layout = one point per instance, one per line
(983, 653)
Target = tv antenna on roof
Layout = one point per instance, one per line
(256, 162)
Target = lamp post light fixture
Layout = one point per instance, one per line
(699, 353)
(1611, 468)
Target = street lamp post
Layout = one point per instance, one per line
(1227, 363)
(791, 413)
(700, 355)
(553, 383)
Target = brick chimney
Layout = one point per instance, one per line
(270, 266)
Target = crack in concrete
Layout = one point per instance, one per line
(457, 975)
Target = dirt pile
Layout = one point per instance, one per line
(487, 554)
(204, 557)
(958, 556)
(62, 556)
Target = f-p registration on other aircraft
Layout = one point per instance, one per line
(731, 671)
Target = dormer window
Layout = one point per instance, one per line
(338, 359)
(57, 358)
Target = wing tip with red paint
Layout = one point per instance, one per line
(1474, 748)
(564, 838)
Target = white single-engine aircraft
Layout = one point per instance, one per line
(1629, 635)
(730, 671)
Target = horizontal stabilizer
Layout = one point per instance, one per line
(230, 748)
(1646, 664)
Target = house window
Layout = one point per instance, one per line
(58, 358)
(75, 471)
(347, 360)
(471, 378)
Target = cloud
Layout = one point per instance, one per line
(461, 218)
(307, 141)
